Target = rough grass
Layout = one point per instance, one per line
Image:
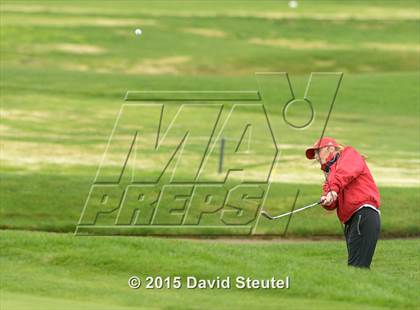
(41, 270)
(66, 69)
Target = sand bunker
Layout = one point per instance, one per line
(298, 44)
(167, 65)
(205, 32)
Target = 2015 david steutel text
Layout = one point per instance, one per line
(192, 282)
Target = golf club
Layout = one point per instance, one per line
(264, 213)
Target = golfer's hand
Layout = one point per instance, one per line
(329, 198)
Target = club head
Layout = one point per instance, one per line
(265, 214)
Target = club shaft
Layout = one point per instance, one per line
(297, 210)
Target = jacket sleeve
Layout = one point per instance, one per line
(350, 165)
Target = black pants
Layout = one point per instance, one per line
(362, 233)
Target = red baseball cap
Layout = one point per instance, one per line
(320, 143)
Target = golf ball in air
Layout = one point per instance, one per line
(138, 31)
(293, 4)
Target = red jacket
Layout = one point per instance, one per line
(350, 178)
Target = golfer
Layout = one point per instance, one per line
(350, 189)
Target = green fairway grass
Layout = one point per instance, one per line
(53, 144)
(65, 68)
(46, 270)
(46, 212)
